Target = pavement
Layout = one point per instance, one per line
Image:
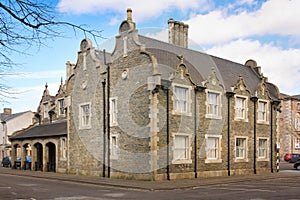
(149, 185)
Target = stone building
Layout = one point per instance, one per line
(12, 122)
(45, 142)
(289, 125)
(155, 110)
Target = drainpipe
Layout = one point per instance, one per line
(108, 114)
(254, 99)
(229, 95)
(168, 137)
(165, 85)
(271, 138)
(104, 128)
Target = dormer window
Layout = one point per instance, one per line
(125, 46)
(213, 105)
(182, 99)
(241, 108)
(262, 111)
(61, 107)
(46, 109)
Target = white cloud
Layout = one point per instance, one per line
(274, 17)
(282, 67)
(141, 9)
(28, 98)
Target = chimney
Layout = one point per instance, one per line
(7, 111)
(129, 14)
(178, 33)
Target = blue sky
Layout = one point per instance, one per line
(238, 30)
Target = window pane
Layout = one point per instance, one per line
(240, 147)
(240, 107)
(181, 147)
(262, 148)
(213, 104)
(212, 147)
(181, 96)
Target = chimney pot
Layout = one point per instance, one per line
(7, 111)
(129, 14)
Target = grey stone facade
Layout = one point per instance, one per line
(166, 110)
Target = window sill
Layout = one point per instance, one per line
(213, 160)
(213, 116)
(188, 161)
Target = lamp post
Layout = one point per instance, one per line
(229, 94)
(254, 99)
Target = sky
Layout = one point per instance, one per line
(267, 31)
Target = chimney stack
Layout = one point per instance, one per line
(129, 14)
(178, 33)
(7, 111)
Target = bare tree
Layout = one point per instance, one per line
(27, 23)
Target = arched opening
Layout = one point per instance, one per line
(38, 157)
(51, 157)
(16, 156)
(26, 156)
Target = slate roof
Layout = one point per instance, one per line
(43, 130)
(6, 117)
(200, 65)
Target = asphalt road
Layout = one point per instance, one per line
(31, 188)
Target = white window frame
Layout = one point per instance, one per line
(81, 115)
(216, 147)
(261, 148)
(218, 106)
(297, 122)
(114, 146)
(243, 158)
(297, 143)
(262, 112)
(187, 149)
(125, 46)
(113, 113)
(298, 106)
(243, 109)
(46, 109)
(188, 100)
(61, 106)
(63, 150)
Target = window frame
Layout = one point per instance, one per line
(63, 154)
(114, 148)
(113, 112)
(188, 100)
(266, 157)
(219, 105)
(297, 122)
(297, 143)
(266, 111)
(80, 116)
(187, 148)
(245, 156)
(46, 111)
(244, 108)
(61, 110)
(218, 158)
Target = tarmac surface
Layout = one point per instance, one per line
(150, 185)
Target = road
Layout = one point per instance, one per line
(22, 187)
